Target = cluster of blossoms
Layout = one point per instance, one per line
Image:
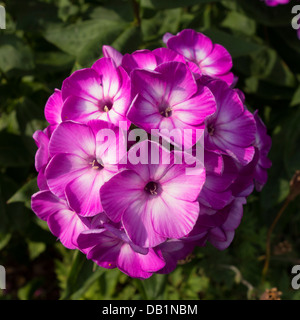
(143, 205)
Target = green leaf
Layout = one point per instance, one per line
(155, 285)
(270, 16)
(30, 116)
(128, 40)
(167, 4)
(34, 15)
(240, 23)
(114, 10)
(14, 151)
(80, 277)
(236, 45)
(15, 54)
(35, 249)
(27, 291)
(54, 61)
(267, 65)
(163, 21)
(77, 38)
(263, 89)
(285, 157)
(4, 240)
(296, 98)
(24, 193)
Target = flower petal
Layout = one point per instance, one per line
(173, 218)
(67, 225)
(109, 74)
(137, 265)
(79, 109)
(138, 224)
(45, 203)
(53, 107)
(84, 83)
(83, 192)
(73, 138)
(119, 192)
(115, 55)
(62, 169)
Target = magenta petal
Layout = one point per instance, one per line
(140, 59)
(41, 180)
(213, 162)
(235, 215)
(144, 113)
(115, 55)
(110, 143)
(45, 203)
(53, 107)
(67, 225)
(222, 245)
(84, 83)
(244, 124)
(191, 44)
(119, 192)
(180, 185)
(215, 200)
(229, 104)
(83, 192)
(212, 60)
(106, 253)
(195, 110)
(173, 218)
(241, 154)
(137, 265)
(151, 262)
(138, 223)
(217, 234)
(223, 129)
(172, 81)
(74, 138)
(261, 177)
(227, 77)
(218, 62)
(62, 169)
(42, 154)
(90, 238)
(167, 36)
(79, 109)
(154, 164)
(64, 132)
(110, 76)
(221, 182)
(163, 55)
(122, 99)
(180, 83)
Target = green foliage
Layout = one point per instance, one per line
(45, 41)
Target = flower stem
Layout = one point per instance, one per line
(268, 243)
(136, 12)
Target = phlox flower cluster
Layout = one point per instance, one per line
(141, 206)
